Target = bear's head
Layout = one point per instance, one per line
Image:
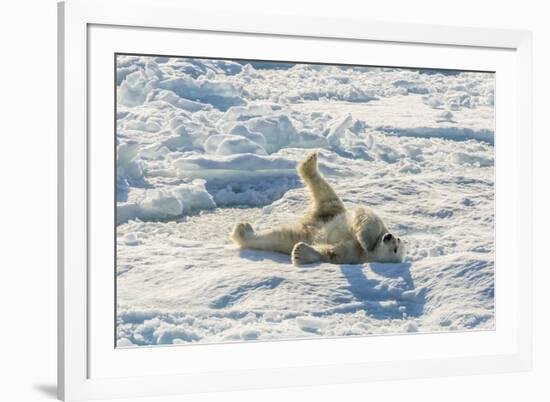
(389, 248)
(377, 242)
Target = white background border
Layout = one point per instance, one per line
(511, 39)
(105, 41)
(29, 262)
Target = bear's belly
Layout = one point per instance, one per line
(335, 231)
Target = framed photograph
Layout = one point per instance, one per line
(255, 201)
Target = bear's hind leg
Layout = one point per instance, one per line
(281, 239)
(326, 204)
(303, 253)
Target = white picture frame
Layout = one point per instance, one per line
(88, 367)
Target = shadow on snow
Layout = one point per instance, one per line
(381, 299)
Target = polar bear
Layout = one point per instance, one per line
(327, 232)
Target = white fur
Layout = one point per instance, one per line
(327, 232)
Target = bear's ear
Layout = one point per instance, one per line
(368, 243)
(362, 243)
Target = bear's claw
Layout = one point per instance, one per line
(241, 232)
(309, 165)
(303, 253)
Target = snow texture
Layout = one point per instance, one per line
(203, 144)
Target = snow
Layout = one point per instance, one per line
(203, 144)
(165, 203)
(232, 144)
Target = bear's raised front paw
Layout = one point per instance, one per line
(242, 232)
(303, 253)
(309, 165)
